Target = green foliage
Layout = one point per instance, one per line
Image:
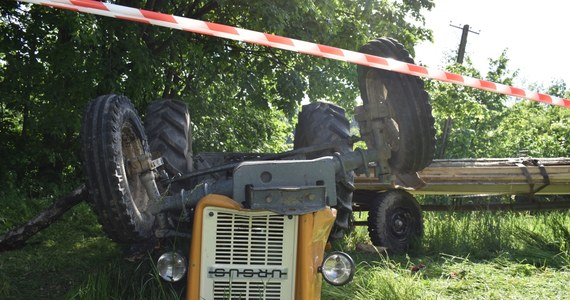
(242, 97)
(542, 130)
(473, 112)
(486, 124)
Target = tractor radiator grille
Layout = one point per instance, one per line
(248, 254)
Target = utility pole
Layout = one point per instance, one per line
(460, 56)
(463, 43)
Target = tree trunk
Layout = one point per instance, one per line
(16, 238)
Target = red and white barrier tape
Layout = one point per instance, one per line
(270, 40)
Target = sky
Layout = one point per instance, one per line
(536, 35)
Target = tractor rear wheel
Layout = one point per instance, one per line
(112, 137)
(167, 124)
(409, 130)
(324, 123)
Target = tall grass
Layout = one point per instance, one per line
(531, 236)
(126, 281)
(478, 255)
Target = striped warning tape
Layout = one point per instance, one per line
(275, 41)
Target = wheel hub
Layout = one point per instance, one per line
(400, 223)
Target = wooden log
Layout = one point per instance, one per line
(17, 237)
(487, 176)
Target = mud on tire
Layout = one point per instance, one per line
(411, 132)
(111, 135)
(324, 123)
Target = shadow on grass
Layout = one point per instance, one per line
(57, 259)
(72, 259)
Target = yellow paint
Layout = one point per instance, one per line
(314, 230)
(193, 287)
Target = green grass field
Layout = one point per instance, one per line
(481, 255)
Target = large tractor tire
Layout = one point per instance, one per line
(395, 221)
(323, 123)
(167, 124)
(410, 131)
(112, 135)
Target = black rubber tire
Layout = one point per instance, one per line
(395, 221)
(111, 133)
(324, 123)
(412, 138)
(167, 124)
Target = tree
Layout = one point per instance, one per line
(242, 97)
(485, 124)
(473, 112)
(538, 129)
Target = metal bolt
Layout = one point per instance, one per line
(266, 177)
(211, 214)
(268, 199)
(312, 197)
(399, 223)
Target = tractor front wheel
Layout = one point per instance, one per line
(113, 140)
(409, 126)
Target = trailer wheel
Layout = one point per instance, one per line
(395, 221)
(324, 123)
(167, 124)
(112, 135)
(409, 131)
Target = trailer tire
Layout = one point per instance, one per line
(167, 124)
(112, 133)
(411, 136)
(324, 123)
(395, 221)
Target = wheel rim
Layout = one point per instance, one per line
(132, 148)
(392, 133)
(401, 223)
(376, 90)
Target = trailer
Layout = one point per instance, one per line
(395, 217)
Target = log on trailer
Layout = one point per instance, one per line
(493, 176)
(490, 176)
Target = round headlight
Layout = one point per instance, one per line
(338, 268)
(171, 266)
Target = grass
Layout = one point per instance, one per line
(481, 255)
(125, 281)
(451, 277)
(56, 259)
(71, 259)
